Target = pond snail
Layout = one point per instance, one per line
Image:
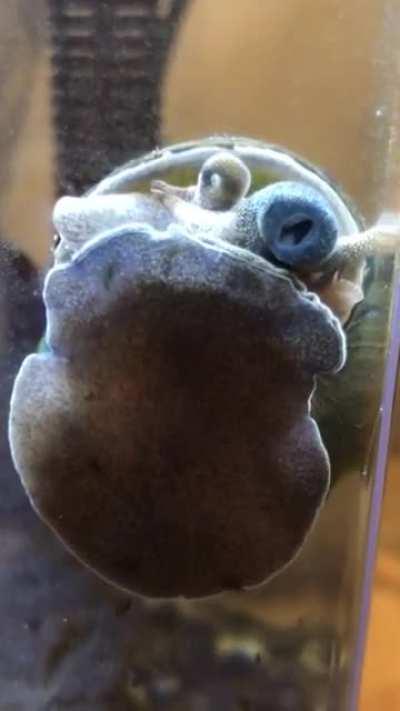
(166, 433)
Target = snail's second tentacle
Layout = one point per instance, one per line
(351, 250)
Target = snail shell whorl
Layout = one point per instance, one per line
(223, 181)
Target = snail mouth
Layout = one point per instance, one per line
(294, 234)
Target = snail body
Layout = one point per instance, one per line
(142, 437)
(286, 222)
(291, 225)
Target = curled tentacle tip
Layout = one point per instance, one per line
(223, 181)
(159, 187)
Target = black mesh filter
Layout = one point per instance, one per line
(108, 59)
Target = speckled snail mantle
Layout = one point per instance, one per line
(166, 436)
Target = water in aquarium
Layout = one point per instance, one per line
(199, 344)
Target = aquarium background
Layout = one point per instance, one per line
(312, 77)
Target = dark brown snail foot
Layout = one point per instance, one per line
(171, 468)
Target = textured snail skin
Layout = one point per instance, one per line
(267, 220)
(223, 181)
(287, 222)
(79, 219)
(166, 435)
